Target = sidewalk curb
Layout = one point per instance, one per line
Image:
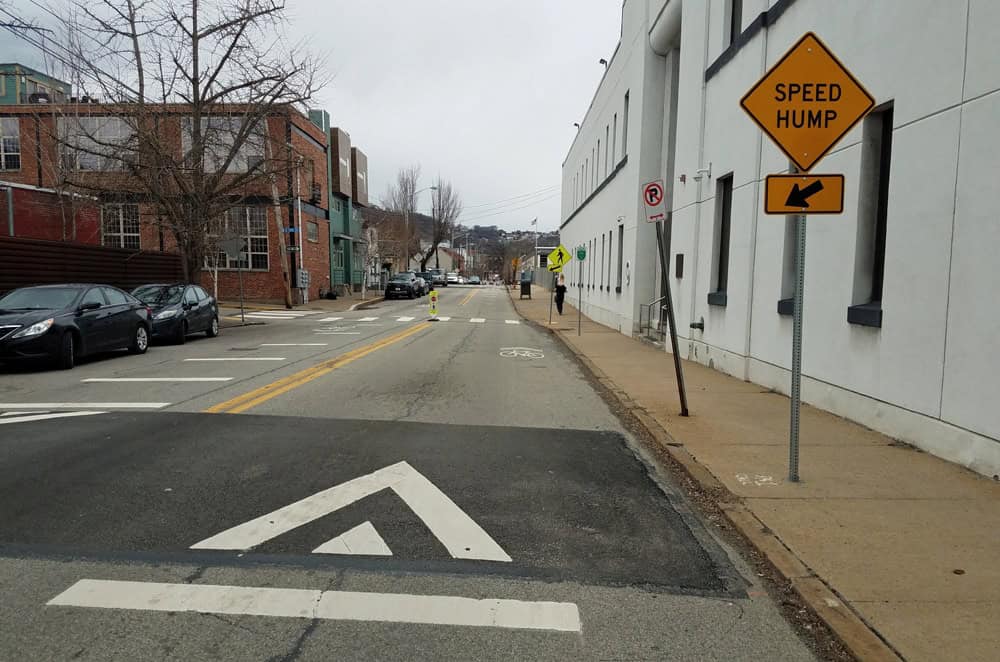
(361, 304)
(838, 615)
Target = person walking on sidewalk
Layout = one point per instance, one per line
(560, 292)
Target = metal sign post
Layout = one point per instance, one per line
(805, 103)
(653, 196)
(581, 255)
(800, 278)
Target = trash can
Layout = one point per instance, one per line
(525, 288)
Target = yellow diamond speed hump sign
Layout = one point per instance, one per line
(807, 102)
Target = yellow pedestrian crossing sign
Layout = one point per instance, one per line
(557, 258)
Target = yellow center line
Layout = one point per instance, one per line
(251, 399)
(466, 299)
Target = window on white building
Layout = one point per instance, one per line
(873, 211)
(120, 226)
(602, 261)
(607, 142)
(733, 23)
(614, 142)
(611, 243)
(625, 128)
(597, 170)
(720, 254)
(621, 255)
(10, 143)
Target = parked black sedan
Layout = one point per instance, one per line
(179, 310)
(64, 322)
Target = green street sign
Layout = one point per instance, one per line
(581, 253)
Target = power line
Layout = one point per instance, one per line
(547, 189)
(507, 211)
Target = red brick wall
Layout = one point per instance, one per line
(40, 215)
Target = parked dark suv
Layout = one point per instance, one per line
(65, 322)
(179, 310)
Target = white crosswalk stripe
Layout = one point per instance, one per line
(444, 319)
(29, 416)
(404, 319)
(512, 321)
(478, 320)
(331, 319)
(367, 319)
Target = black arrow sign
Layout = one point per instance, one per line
(800, 197)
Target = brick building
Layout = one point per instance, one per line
(105, 205)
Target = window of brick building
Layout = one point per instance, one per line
(312, 231)
(95, 143)
(10, 144)
(251, 224)
(120, 226)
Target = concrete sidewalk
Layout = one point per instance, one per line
(898, 551)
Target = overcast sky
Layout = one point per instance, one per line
(483, 93)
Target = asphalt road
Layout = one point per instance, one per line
(370, 487)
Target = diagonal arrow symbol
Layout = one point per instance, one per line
(800, 197)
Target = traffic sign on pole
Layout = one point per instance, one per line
(652, 198)
(804, 194)
(807, 102)
(557, 259)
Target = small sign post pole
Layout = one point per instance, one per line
(243, 314)
(800, 277)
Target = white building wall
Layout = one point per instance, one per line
(930, 374)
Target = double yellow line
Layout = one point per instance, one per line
(466, 299)
(242, 403)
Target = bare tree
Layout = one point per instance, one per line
(447, 207)
(193, 93)
(401, 196)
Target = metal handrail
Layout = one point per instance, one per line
(649, 315)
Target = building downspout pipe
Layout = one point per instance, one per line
(10, 210)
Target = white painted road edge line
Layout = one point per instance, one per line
(244, 358)
(42, 417)
(326, 605)
(113, 380)
(83, 405)
(21, 413)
